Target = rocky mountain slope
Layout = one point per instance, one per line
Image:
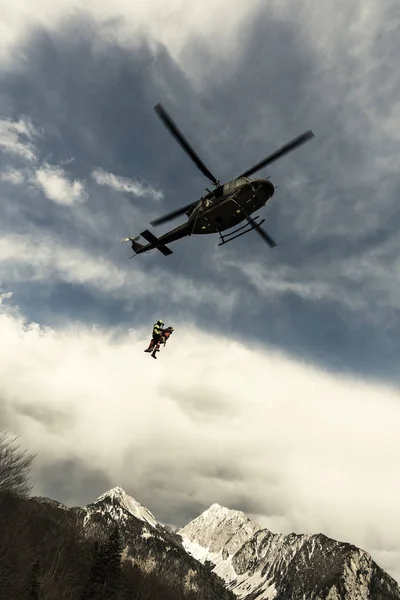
(257, 564)
(223, 555)
(148, 545)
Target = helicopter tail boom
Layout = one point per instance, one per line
(152, 239)
(154, 242)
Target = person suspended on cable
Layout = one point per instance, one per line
(156, 335)
(165, 334)
(160, 336)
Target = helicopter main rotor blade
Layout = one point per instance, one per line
(264, 235)
(173, 129)
(298, 141)
(172, 215)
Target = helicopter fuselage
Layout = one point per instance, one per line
(239, 200)
(222, 209)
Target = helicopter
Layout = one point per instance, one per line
(221, 209)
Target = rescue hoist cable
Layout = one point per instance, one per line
(184, 256)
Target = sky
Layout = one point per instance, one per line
(278, 393)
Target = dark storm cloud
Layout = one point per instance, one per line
(253, 506)
(93, 102)
(223, 471)
(98, 110)
(188, 508)
(72, 480)
(54, 420)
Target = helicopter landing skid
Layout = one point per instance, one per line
(246, 229)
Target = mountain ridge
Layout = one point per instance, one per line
(266, 565)
(251, 562)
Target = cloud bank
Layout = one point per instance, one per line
(212, 420)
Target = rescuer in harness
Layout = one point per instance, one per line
(160, 336)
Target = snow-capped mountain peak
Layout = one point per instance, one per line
(217, 525)
(118, 498)
(216, 535)
(256, 563)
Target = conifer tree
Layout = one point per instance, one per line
(34, 583)
(106, 571)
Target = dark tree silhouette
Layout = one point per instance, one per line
(33, 582)
(14, 468)
(48, 553)
(104, 580)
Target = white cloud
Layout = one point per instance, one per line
(16, 138)
(124, 184)
(57, 187)
(52, 261)
(5, 296)
(173, 24)
(170, 23)
(298, 439)
(14, 176)
(369, 278)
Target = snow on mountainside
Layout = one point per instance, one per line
(151, 547)
(216, 535)
(118, 498)
(222, 554)
(257, 564)
(219, 527)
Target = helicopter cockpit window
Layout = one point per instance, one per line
(241, 181)
(228, 187)
(232, 185)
